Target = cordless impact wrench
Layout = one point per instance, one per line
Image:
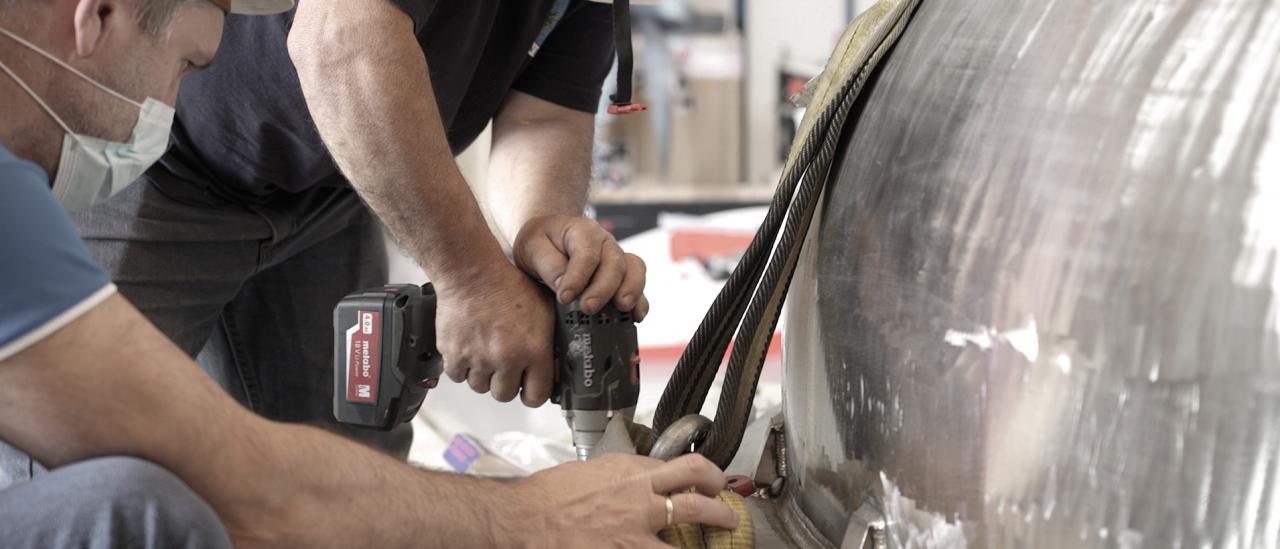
(385, 361)
(597, 371)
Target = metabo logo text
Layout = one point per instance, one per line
(366, 361)
(581, 347)
(363, 342)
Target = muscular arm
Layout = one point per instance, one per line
(110, 383)
(540, 162)
(540, 170)
(366, 84)
(365, 81)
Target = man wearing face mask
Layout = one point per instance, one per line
(143, 449)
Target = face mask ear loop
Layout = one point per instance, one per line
(41, 102)
(64, 65)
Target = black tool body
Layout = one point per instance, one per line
(598, 370)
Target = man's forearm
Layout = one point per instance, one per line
(537, 190)
(366, 84)
(540, 162)
(346, 495)
(274, 485)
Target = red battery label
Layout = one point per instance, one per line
(364, 340)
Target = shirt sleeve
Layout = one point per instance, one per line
(47, 277)
(418, 10)
(573, 63)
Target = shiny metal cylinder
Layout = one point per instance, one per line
(1041, 306)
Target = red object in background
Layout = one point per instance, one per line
(741, 485)
(635, 367)
(628, 108)
(796, 84)
(704, 244)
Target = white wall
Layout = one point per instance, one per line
(793, 33)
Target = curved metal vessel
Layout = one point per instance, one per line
(1042, 307)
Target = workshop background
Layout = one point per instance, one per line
(683, 185)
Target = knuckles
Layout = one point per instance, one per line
(533, 399)
(634, 261)
(698, 467)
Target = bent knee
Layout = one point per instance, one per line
(147, 505)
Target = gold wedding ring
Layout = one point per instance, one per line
(671, 511)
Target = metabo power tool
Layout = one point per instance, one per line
(385, 361)
(597, 371)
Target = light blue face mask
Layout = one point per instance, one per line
(91, 169)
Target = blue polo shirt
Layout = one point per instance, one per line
(47, 277)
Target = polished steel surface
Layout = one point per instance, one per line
(1041, 309)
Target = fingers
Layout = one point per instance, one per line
(505, 385)
(688, 471)
(499, 340)
(455, 371)
(529, 365)
(692, 509)
(479, 379)
(607, 278)
(641, 310)
(692, 471)
(539, 256)
(538, 380)
(631, 290)
(645, 463)
(580, 260)
(584, 247)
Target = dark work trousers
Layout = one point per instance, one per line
(108, 503)
(249, 288)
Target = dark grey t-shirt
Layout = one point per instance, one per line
(243, 125)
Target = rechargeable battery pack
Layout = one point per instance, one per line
(385, 357)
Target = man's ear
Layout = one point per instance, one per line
(92, 19)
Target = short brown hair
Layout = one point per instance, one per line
(153, 15)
